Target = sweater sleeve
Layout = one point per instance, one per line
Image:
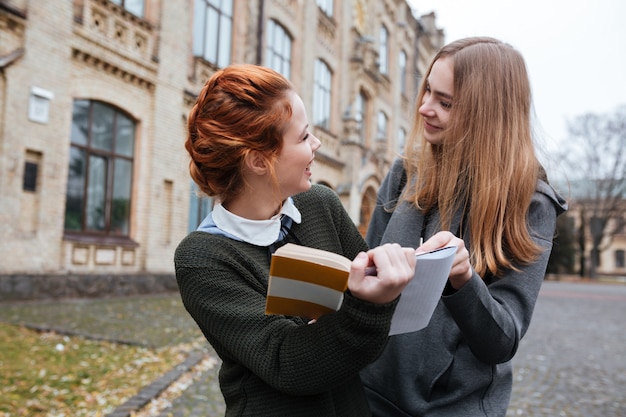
(493, 318)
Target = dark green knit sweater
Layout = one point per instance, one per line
(277, 365)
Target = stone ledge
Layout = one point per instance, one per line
(39, 287)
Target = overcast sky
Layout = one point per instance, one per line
(575, 50)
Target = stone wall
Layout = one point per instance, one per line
(40, 287)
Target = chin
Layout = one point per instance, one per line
(433, 140)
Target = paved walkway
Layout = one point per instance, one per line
(571, 363)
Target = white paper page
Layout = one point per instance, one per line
(421, 295)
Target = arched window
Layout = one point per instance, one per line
(278, 55)
(100, 173)
(213, 31)
(321, 95)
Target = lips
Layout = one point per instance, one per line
(430, 127)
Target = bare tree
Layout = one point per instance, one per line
(595, 158)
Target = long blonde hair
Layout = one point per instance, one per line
(487, 165)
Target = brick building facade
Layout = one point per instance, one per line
(94, 189)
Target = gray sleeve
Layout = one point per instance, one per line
(386, 201)
(493, 318)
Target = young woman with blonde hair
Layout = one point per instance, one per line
(251, 148)
(472, 180)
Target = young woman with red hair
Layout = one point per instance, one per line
(251, 148)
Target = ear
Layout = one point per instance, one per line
(256, 163)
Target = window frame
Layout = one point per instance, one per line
(115, 217)
(279, 45)
(322, 94)
(211, 39)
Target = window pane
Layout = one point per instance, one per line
(224, 41)
(212, 36)
(120, 206)
(402, 64)
(278, 55)
(100, 170)
(382, 126)
(321, 95)
(102, 127)
(125, 137)
(384, 36)
(75, 192)
(80, 122)
(359, 115)
(199, 207)
(326, 6)
(199, 12)
(227, 7)
(134, 6)
(96, 193)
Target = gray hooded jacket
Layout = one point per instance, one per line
(460, 364)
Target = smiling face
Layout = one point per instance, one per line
(437, 100)
(293, 167)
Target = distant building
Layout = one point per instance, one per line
(587, 209)
(94, 96)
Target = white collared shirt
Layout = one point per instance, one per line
(256, 232)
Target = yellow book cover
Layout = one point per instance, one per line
(306, 282)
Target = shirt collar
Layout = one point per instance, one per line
(256, 232)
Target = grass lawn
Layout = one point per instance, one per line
(46, 374)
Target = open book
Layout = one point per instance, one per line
(310, 282)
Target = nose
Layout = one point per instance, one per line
(315, 142)
(426, 109)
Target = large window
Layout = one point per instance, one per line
(321, 95)
(383, 51)
(212, 31)
(133, 6)
(100, 170)
(278, 55)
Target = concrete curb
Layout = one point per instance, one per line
(151, 391)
